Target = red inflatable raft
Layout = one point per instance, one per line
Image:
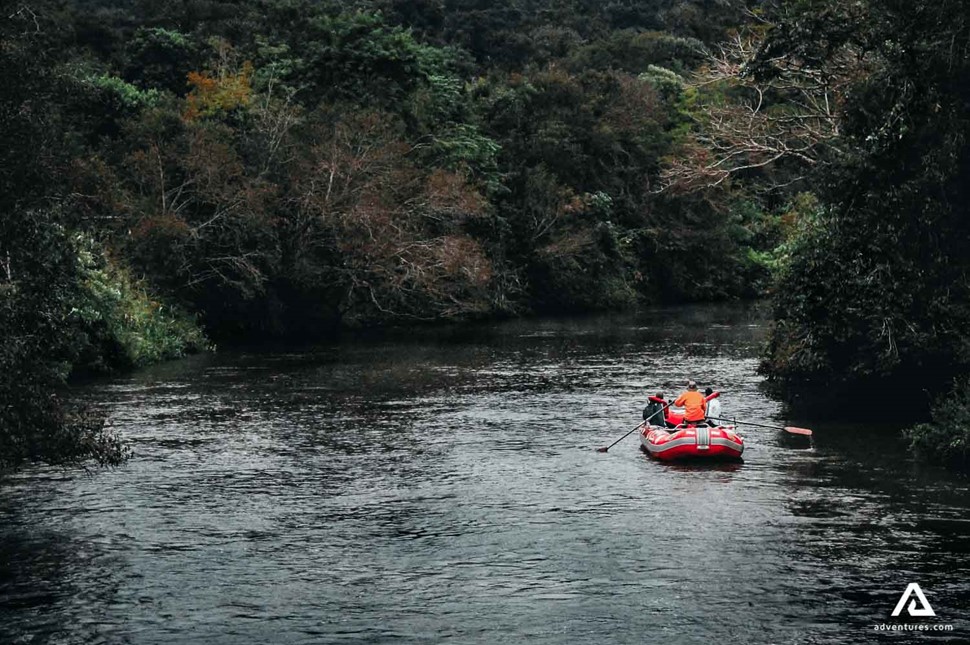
(690, 442)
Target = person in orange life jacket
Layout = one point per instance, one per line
(694, 404)
(713, 408)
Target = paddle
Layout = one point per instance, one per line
(805, 432)
(647, 420)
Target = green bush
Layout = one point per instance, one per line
(123, 326)
(947, 439)
(39, 288)
(125, 94)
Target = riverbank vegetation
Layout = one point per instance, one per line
(947, 438)
(875, 296)
(284, 168)
(180, 172)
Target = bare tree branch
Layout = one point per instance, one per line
(788, 110)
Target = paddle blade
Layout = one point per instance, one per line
(603, 449)
(805, 432)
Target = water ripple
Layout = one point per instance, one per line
(438, 488)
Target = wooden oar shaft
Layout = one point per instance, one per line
(762, 425)
(607, 449)
(639, 425)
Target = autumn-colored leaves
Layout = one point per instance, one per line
(245, 192)
(212, 95)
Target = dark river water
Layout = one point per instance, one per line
(443, 486)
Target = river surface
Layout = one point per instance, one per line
(443, 486)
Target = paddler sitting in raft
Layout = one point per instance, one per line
(654, 413)
(713, 408)
(694, 404)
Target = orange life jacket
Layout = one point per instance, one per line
(694, 403)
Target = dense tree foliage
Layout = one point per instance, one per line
(876, 291)
(61, 304)
(866, 104)
(39, 276)
(286, 167)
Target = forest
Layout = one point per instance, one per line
(176, 175)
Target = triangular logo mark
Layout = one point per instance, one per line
(924, 610)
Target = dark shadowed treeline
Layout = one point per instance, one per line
(288, 167)
(285, 168)
(874, 300)
(885, 269)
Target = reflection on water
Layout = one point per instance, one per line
(444, 486)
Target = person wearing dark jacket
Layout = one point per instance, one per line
(652, 413)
